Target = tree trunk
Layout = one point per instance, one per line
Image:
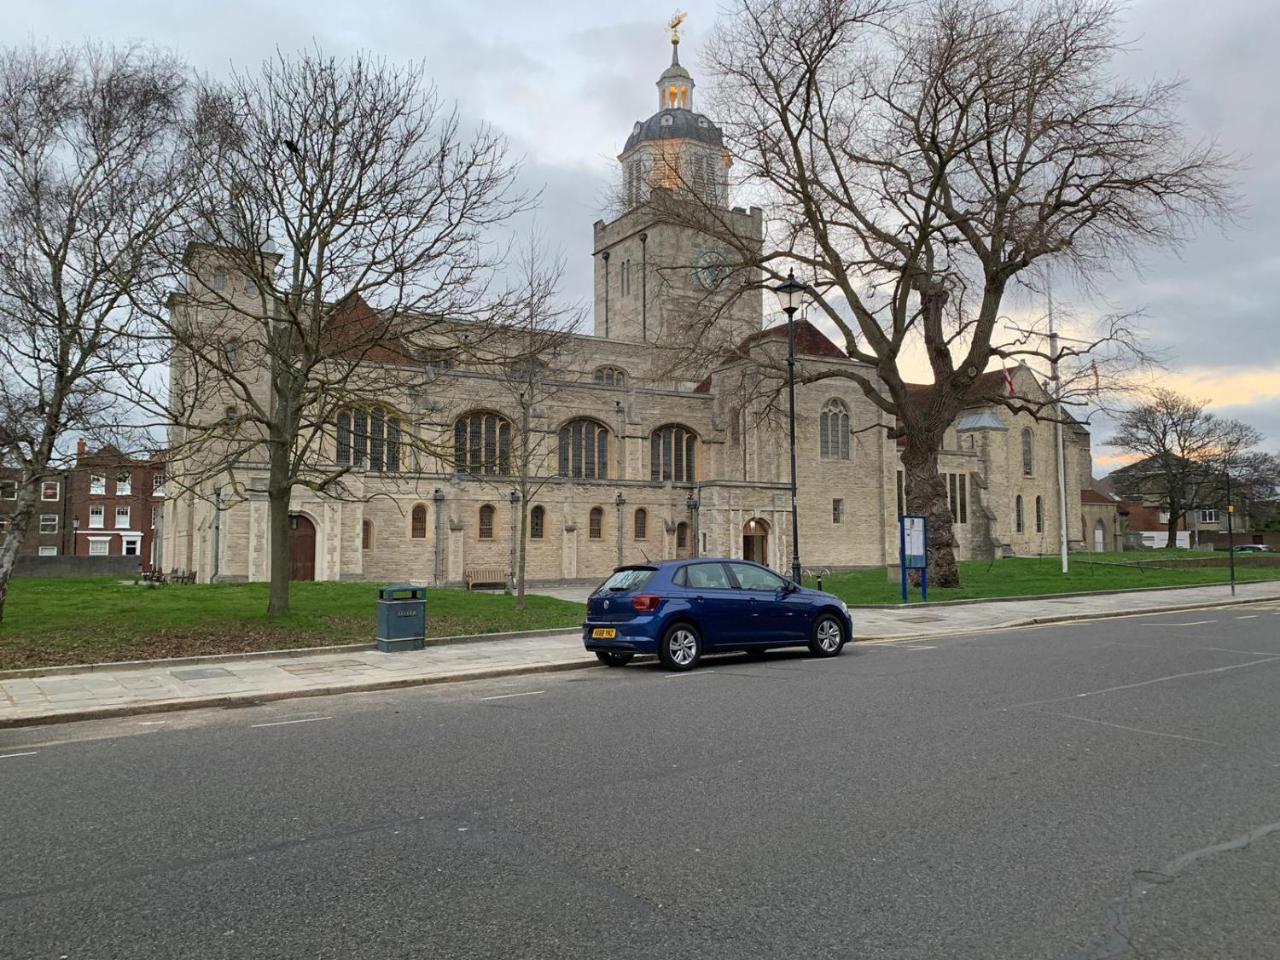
(19, 522)
(520, 549)
(927, 496)
(278, 492)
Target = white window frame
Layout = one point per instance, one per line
(97, 485)
(98, 511)
(44, 489)
(131, 542)
(48, 523)
(127, 515)
(47, 551)
(99, 546)
(157, 485)
(124, 485)
(1209, 516)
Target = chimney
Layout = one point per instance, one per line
(81, 448)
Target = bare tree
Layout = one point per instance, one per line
(916, 160)
(344, 241)
(531, 349)
(1186, 454)
(92, 174)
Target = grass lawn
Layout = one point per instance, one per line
(87, 621)
(1029, 576)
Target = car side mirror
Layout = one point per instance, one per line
(789, 588)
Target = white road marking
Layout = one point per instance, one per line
(281, 723)
(507, 696)
(672, 676)
(1251, 653)
(152, 723)
(29, 753)
(1192, 623)
(1146, 683)
(1251, 616)
(1121, 726)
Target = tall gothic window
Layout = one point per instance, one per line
(1039, 514)
(1028, 452)
(486, 522)
(418, 523)
(482, 444)
(584, 450)
(1018, 522)
(368, 437)
(642, 524)
(672, 454)
(537, 523)
(833, 430)
(595, 524)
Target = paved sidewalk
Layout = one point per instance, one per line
(109, 692)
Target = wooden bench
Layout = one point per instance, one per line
(491, 576)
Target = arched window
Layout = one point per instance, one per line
(682, 536)
(1039, 515)
(418, 523)
(369, 437)
(482, 444)
(1017, 514)
(486, 522)
(672, 453)
(595, 526)
(584, 450)
(642, 524)
(833, 431)
(366, 535)
(537, 523)
(1028, 452)
(610, 376)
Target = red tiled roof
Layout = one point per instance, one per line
(810, 341)
(1095, 496)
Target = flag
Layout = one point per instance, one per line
(1008, 382)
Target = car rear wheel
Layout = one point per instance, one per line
(614, 658)
(681, 647)
(828, 636)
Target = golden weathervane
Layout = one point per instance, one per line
(676, 20)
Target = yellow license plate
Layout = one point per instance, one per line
(603, 633)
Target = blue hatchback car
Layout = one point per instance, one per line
(681, 609)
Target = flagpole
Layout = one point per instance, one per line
(1056, 391)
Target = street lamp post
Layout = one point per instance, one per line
(620, 501)
(693, 503)
(788, 296)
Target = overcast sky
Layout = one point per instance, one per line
(565, 81)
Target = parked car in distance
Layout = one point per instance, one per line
(1254, 548)
(681, 609)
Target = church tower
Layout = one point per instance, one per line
(656, 280)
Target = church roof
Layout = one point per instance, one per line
(810, 341)
(675, 124)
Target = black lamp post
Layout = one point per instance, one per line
(693, 503)
(619, 502)
(789, 297)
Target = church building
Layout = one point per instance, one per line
(640, 457)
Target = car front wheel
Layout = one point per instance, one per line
(828, 636)
(681, 648)
(614, 658)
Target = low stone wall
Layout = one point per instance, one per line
(55, 568)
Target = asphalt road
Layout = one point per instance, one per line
(1108, 789)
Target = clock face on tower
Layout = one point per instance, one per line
(710, 270)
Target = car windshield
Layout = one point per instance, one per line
(633, 578)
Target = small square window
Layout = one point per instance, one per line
(99, 548)
(124, 485)
(48, 523)
(97, 517)
(97, 485)
(122, 518)
(8, 489)
(50, 490)
(48, 551)
(131, 547)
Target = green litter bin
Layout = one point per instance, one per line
(402, 618)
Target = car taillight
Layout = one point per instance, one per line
(645, 603)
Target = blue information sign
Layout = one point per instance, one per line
(913, 552)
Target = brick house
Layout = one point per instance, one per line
(48, 535)
(116, 504)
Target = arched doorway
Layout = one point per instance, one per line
(755, 541)
(302, 548)
(1099, 537)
